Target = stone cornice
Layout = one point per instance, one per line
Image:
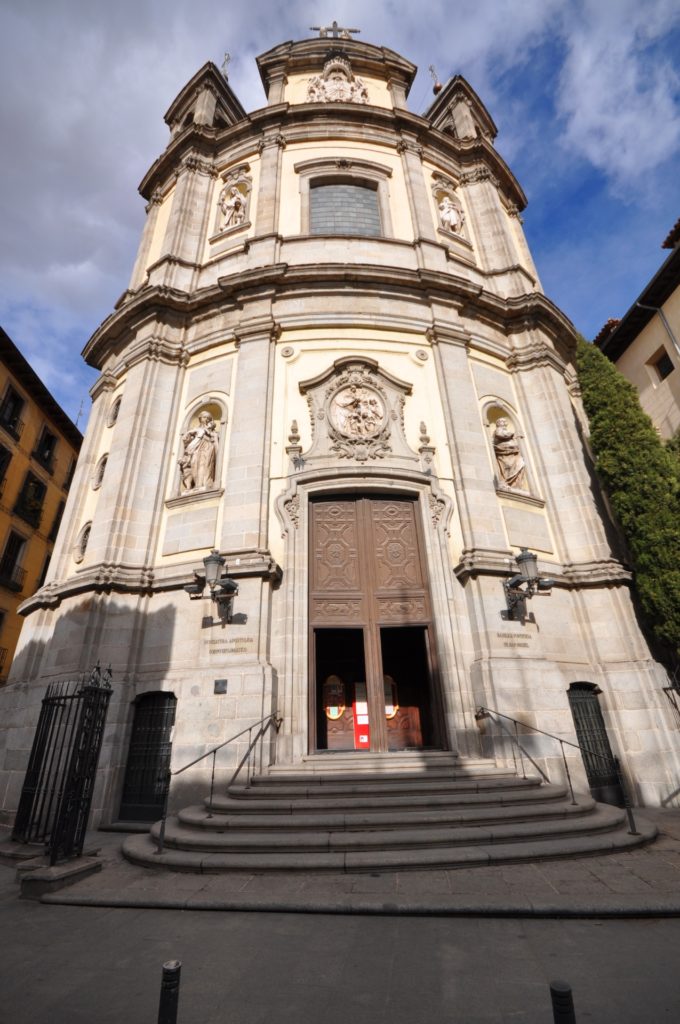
(511, 316)
(571, 576)
(305, 122)
(109, 577)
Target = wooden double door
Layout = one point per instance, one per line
(370, 627)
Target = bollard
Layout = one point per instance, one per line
(169, 1001)
(562, 1003)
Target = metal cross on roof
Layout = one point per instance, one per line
(335, 31)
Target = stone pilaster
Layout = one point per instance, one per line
(188, 222)
(559, 454)
(247, 490)
(421, 213)
(126, 521)
(480, 516)
(489, 220)
(61, 563)
(139, 269)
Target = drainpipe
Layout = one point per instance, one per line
(664, 321)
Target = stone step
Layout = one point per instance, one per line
(378, 803)
(262, 788)
(283, 840)
(143, 850)
(336, 763)
(305, 819)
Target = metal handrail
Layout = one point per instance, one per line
(612, 760)
(273, 718)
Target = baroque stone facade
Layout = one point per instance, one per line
(368, 425)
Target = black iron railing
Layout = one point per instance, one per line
(57, 793)
(248, 759)
(612, 762)
(12, 575)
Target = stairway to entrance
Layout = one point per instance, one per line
(431, 812)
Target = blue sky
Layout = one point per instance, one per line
(585, 94)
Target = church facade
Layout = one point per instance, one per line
(335, 366)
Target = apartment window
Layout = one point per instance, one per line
(5, 459)
(29, 504)
(10, 412)
(662, 364)
(44, 450)
(343, 208)
(12, 575)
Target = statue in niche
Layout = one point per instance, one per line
(233, 206)
(451, 216)
(199, 458)
(357, 412)
(511, 465)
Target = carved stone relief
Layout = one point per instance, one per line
(337, 84)
(449, 208)
(509, 459)
(234, 199)
(356, 411)
(198, 461)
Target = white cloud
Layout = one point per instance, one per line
(617, 95)
(85, 86)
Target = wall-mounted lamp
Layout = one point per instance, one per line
(524, 584)
(223, 590)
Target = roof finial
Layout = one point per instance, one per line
(225, 64)
(334, 30)
(437, 87)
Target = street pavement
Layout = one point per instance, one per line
(397, 948)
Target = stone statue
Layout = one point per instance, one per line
(511, 465)
(233, 206)
(450, 215)
(199, 458)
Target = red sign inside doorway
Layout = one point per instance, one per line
(362, 731)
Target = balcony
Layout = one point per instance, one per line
(12, 577)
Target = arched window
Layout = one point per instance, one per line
(113, 412)
(98, 475)
(81, 543)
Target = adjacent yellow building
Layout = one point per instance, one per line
(645, 343)
(39, 447)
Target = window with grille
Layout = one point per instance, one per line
(344, 209)
(12, 575)
(10, 412)
(44, 450)
(5, 459)
(29, 504)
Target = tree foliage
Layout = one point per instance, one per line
(642, 479)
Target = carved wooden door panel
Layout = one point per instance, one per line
(366, 574)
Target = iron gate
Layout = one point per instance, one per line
(57, 793)
(148, 763)
(591, 732)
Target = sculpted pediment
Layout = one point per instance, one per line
(357, 413)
